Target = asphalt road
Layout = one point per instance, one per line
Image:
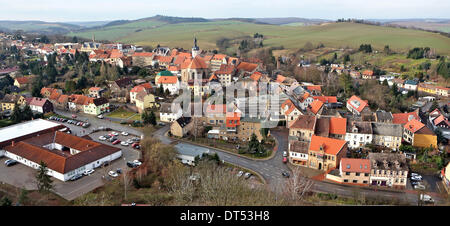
(269, 169)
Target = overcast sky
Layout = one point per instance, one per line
(99, 10)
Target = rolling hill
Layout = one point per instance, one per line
(38, 27)
(153, 31)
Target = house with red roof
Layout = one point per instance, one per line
(145, 87)
(316, 107)
(217, 61)
(41, 105)
(225, 74)
(403, 118)
(96, 92)
(353, 171)
(23, 82)
(326, 153)
(357, 106)
(368, 74)
(291, 111)
(142, 59)
(170, 83)
(419, 135)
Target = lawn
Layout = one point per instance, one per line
(292, 37)
(124, 114)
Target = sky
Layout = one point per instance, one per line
(106, 10)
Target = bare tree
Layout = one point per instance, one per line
(297, 185)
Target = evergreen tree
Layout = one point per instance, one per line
(5, 201)
(16, 116)
(152, 118)
(27, 113)
(23, 197)
(145, 118)
(44, 182)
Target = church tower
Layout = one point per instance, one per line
(195, 49)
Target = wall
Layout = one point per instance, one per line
(425, 140)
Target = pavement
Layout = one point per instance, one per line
(270, 169)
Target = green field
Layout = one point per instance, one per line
(336, 35)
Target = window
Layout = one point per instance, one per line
(347, 173)
(346, 181)
(366, 174)
(364, 182)
(357, 174)
(355, 181)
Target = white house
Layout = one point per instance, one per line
(358, 134)
(170, 83)
(170, 112)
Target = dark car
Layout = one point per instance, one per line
(119, 171)
(76, 177)
(285, 174)
(112, 139)
(131, 164)
(10, 162)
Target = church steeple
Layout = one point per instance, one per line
(195, 48)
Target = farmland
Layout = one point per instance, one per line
(153, 32)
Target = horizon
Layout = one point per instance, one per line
(53, 11)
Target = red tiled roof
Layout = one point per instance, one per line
(414, 125)
(290, 105)
(256, 76)
(315, 87)
(36, 101)
(316, 106)
(95, 89)
(280, 79)
(362, 103)
(196, 63)
(326, 99)
(167, 80)
(355, 165)
(403, 118)
(338, 125)
(330, 146)
(249, 67)
(225, 69)
(142, 54)
(23, 80)
(368, 72)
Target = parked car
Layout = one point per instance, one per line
(107, 136)
(284, 154)
(413, 183)
(10, 162)
(115, 133)
(124, 133)
(119, 170)
(131, 164)
(419, 187)
(426, 198)
(137, 163)
(102, 138)
(116, 142)
(284, 160)
(285, 174)
(112, 139)
(100, 116)
(86, 125)
(240, 173)
(123, 143)
(247, 175)
(88, 172)
(161, 123)
(415, 175)
(106, 163)
(76, 177)
(416, 178)
(74, 116)
(113, 174)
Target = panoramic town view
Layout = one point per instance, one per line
(182, 105)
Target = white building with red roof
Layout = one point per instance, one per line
(358, 106)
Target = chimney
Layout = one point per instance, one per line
(12, 143)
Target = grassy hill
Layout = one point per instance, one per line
(38, 26)
(153, 31)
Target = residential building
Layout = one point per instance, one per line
(445, 175)
(217, 61)
(225, 74)
(96, 92)
(387, 135)
(358, 134)
(142, 59)
(383, 116)
(169, 83)
(298, 152)
(96, 106)
(181, 126)
(388, 169)
(291, 111)
(144, 101)
(303, 128)
(326, 153)
(358, 106)
(403, 118)
(355, 171)
(145, 87)
(170, 112)
(41, 105)
(368, 74)
(23, 82)
(120, 89)
(411, 85)
(419, 135)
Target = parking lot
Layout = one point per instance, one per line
(22, 176)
